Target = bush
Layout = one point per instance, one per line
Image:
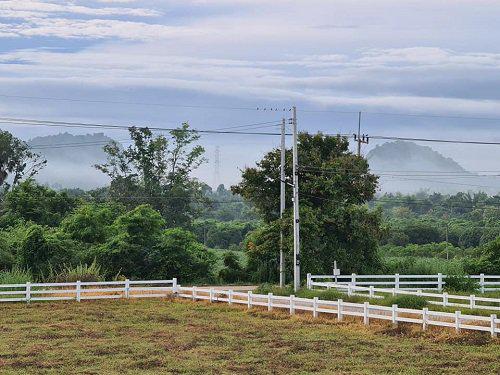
(405, 301)
(15, 276)
(81, 272)
(178, 254)
(460, 283)
(43, 251)
(232, 272)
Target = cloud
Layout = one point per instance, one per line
(27, 9)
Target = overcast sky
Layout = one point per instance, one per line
(392, 56)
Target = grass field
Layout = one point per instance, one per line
(152, 336)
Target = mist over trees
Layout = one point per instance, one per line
(155, 220)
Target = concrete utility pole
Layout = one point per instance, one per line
(360, 138)
(282, 201)
(296, 221)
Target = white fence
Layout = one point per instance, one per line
(394, 314)
(443, 299)
(79, 291)
(86, 290)
(486, 283)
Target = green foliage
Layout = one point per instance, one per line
(42, 251)
(134, 235)
(155, 170)
(405, 301)
(80, 272)
(487, 259)
(16, 276)
(16, 160)
(460, 283)
(222, 235)
(233, 271)
(178, 253)
(30, 201)
(226, 206)
(334, 226)
(421, 266)
(90, 223)
(7, 258)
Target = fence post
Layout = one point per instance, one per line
(309, 281)
(353, 279)
(28, 292)
(292, 305)
(395, 314)
(78, 291)
(315, 307)
(127, 288)
(339, 309)
(366, 313)
(425, 312)
(481, 282)
(269, 302)
(493, 325)
(440, 281)
(249, 299)
(393, 292)
(230, 297)
(457, 321)
(372, 292)
(349, 289)
(194, 293)
(211, 296)
(472, 301)
(419, 292)
(174, 286)
(445, 299)
(396, 281)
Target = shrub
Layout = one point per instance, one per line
(42, 251)
(405, 301)
(15, 276)
(232, 271)
(81, 272)
(460, 283)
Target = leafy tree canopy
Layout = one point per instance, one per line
(333, 185)
(16, 160)
(157, 170)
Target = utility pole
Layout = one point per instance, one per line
(360, 138)
(282, 201)
(296, 221)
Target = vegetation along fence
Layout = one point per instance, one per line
(442, 299)
(366, 311)
(485, 283)
(78, 290)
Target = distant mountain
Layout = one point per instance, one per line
(70, 159)
(407, 167)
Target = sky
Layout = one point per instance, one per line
(212, 63)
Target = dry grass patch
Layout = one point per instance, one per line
(164, 336)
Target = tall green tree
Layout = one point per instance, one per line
(17, 161)
(156, 170)
(334, 184)
(30, 201)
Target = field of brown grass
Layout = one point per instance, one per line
(162, 336)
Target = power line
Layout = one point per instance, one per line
(433, 140)
(16, 121)
(98, 101)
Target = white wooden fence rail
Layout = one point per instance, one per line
(80, 290)
(442, 299)
(410, 282)
(367, 311)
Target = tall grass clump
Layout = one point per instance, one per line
(15, 276)
(460, 283)
(81, 272)
(405, 302)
